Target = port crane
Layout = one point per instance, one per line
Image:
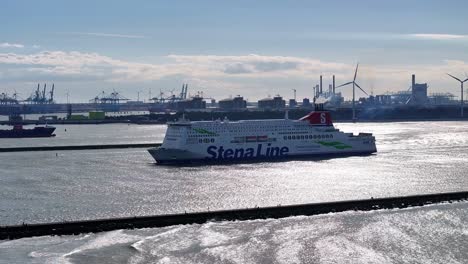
(112, 98)
(172, 98)
(39, 97)
(5, 99)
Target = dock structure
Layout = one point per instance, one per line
(80, 147)
(101, 225)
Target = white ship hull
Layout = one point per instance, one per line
(224, 141)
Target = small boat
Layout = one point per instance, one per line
(19, 132)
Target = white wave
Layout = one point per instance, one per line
(102, 240)
(166, 232)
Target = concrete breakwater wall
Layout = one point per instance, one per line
(80, 147)
(100, 225)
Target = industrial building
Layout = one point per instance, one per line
(416, 95)
(292, 103)
(442, 99)
(276, 102)
(237, 102)
(195, 102)
(328, 97)
(306, 103)
(418, 92)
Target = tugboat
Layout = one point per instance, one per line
(19, 132)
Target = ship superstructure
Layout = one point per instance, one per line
(231, 141)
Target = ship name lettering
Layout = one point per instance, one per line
(323, 119)
(242, 153)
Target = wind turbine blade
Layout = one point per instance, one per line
(355, 72)
(343, 84)
(361, 89)
(454, 77)
(465, 80)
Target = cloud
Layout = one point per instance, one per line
(256, 65)
(11, 45)
(63, 63)
(438, 36)
(89, 65)
(276, 66)
(252, 75)
(382, 36)
(109, 35)
(237, 68)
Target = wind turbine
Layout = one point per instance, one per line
(354, 84)
(461, 85)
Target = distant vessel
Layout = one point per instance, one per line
(19, 132)
(272, 139)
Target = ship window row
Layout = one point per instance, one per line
(290, 133)
(250, 128)
(253, 129)
(198, 136)
(326, 136)
(206, 140)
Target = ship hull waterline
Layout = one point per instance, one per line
(210, 161)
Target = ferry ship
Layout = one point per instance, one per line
(272, 139)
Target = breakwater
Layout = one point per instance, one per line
(100, 225)
(80, 147)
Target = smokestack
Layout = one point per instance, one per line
(333, 84)
(413, 80)
(313, 88)
(329, 88)
(320, 84)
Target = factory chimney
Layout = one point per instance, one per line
(320, 84)
(333, 84)
(413, 81)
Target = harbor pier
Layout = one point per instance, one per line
(101, 225)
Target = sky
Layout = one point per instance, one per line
(226, 48)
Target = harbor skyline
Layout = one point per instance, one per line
(225, 49)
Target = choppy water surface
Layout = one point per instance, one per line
(412, 158)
